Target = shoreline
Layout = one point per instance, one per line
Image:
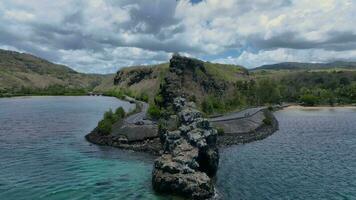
(153, 146)
(319, 107)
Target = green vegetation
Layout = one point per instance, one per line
(23, 74)
(225, 72)
(120, 94)
(120, 113)
(309, 100)
(105, 125)
(316, 88)
(269, 87)
(154, 111)
(216, 88)
(55, 90)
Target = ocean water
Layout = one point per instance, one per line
(44, 156)
(43, 153)
(312, 156)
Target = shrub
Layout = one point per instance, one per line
(120, 113)
(309, 100)
(207, 107)
(104, 127)
(110, 116)
(143, 97)
(158, 100)
(154, 111)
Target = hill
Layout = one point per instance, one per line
(308, 66)
(196, 80)
(22, 73)
(218, 88)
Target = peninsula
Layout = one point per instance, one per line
(185, 141)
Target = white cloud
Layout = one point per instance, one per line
(111, 59)
(88, 34)
(252, 60)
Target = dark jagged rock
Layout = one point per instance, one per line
(190, 156)
(133, 76)
(187, 72)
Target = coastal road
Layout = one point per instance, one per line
(138, 117)
(237, 115)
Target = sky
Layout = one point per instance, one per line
(102, 36)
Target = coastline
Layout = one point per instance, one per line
(319, 107)
(154, 147)
(261, 132)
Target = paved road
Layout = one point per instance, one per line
(237, 115)
(138, 117)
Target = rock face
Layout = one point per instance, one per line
(190, 156)
(186, 75)
(133, 76)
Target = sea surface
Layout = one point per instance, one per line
(312, 156)
(44, 156)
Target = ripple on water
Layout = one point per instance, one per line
(310, 157)
(44, 155)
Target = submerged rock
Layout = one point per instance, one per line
(190, 156)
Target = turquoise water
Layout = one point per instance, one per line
(43, 153)
(312, 156)
(44, 156)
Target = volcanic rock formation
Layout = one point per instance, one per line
(190, 155)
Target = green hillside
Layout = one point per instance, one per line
(22, 74)
(219, 88)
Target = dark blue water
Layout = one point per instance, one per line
(44, 156)
(312, 156)
(43, 153)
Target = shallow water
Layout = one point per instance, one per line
(312, 156)
(43, 153)
(44, 156)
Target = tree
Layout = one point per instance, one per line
(268, 92)
(309, 99)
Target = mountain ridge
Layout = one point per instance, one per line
(301, 65)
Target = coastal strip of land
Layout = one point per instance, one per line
(138, 133)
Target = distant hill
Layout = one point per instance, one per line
(307, 66)
(21, 71)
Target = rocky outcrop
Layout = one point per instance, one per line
(190, 155)
(186, 75)
(133, 77)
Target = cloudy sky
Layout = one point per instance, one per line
(100, 36)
